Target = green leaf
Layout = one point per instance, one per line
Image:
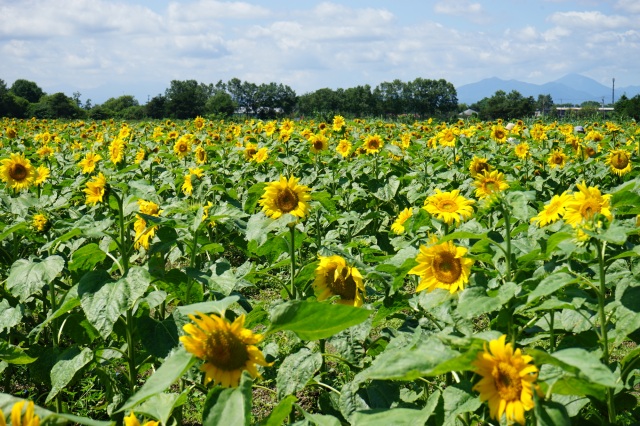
(388, 191)
(315, 320)
(474, 300)
(27, 277)
(253, 196)
(458, 399)
(8, 231)
(9, 316)
(230, 406)
(69, 364)
(296, 371)
(161, 406)
(103, 301)
(580, 363)
(281, 412)
(550, 413)
(392, 416)
(171, 370)
(321, 419)
(14, 354)
(158, 337)
(86, 257)
(324, 198)
(550, 285)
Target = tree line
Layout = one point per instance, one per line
(185, 99)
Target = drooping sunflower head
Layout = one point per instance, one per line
(557, 158)
(490, 183)
(17, 172)
(478, 166)
(201, 155)
(285, 196)
(250, 151)
(373, 144)
(442, 266)
(227, 348)
(619, 161)
(41, 175)
(335, 278)
(398, 225)
(40, 222)
(508, 380)
(449, 206)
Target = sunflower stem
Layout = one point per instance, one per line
(292, 253)
(552, 336)
(601, 247)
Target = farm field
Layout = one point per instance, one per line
(304, 272)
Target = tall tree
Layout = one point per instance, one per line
(432, 97)
(392, 97)
(27, 89)
(186, 99)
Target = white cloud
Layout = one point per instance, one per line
(591, 20)
(458, 7)
(628, 6)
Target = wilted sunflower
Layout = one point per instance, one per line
(17, 172)
(619, 161)
(227, 348)
(95, 189)
(29, 418)
(398, 225)
(585, 204)
(143, 235)
(552, 211)
(132, 420)
(449, 206)
(335, 278)
(373, 144)
(442, 266)
(285, 196)
(508, 380)
(478, 166)
(557, 159)
(41, 175)
(344, 148)
(489, 183)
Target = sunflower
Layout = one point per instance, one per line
(187, 185)
(262, 155)
(585, 204)
(285, 196)
(447, 137)
(132, 420)
(249, 151)
(508, 380)
(29, 418)
(398, 224)
(490, 183)
(319, 143)
(499, 133)
(45, 151)
(41, 175)
(344, 148)
(140, 156)
(116, 151)
(449, 206)
(39, 222)
(557, 158)
(182, 147)
(552, 210)
(478, 166)
(338, 123)
(11, 133)
(335, 278)
(95, 189)
(201, 155)
(198, 122)
(17, 172)
(538, 132)
(442, 266)
(522, 150)
(227, 348)
(143, 235)
(619, 161)
(373, 144)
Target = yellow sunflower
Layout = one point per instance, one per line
(319, 143)
(449, 206)
(250, 151)
(140, 156)
(227, 348)
(95, 189)
(144, 235)
(132, 420)
(344, 148)
(398, 225)
(373, 144)
(338, 123)
(522, 150)
(17, 172)
(187, 185)
(585, 204)
(201, 155)
(285, 196)
(198, 122)
(41, 175)
(39, 222)
(499, 133)
(335, 278)
(29, 418)
(182, 147)
(116, 151)
(508, 380)
(447, 137)
(489, 183)
(442, 266)
(619, 161)
(262, 155)
(478, 166)
(552, 211)
(557, 158)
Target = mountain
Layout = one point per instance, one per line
(572, 88)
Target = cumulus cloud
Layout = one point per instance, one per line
(592, 20)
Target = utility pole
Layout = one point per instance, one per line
(613, 91)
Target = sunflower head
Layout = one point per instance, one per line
(449, 206)
(344, 148)
(373, 144)
(557, 159)
(285, 196)
(398, 224)
(226, 348)
(96, 189)
(335, 278)
(478, 166)
(619, 161)
(508, 380)
(40, 222)
(17, 172)
(586, 204)
(28, 418)
(490, 183)
(442, 266)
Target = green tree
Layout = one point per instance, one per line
(432, 97)
(57, 105)
(505, 106)
(221, 104)
(244, 94)
(544, 104)
(358, 101)
(156, 107)
(116, 106)
(392, 97)
(186, 99)
(27, 89)
(626, 107)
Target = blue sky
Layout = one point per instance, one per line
(107, 49)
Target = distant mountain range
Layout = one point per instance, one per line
(572, 88)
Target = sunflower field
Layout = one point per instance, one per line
(350, 272)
